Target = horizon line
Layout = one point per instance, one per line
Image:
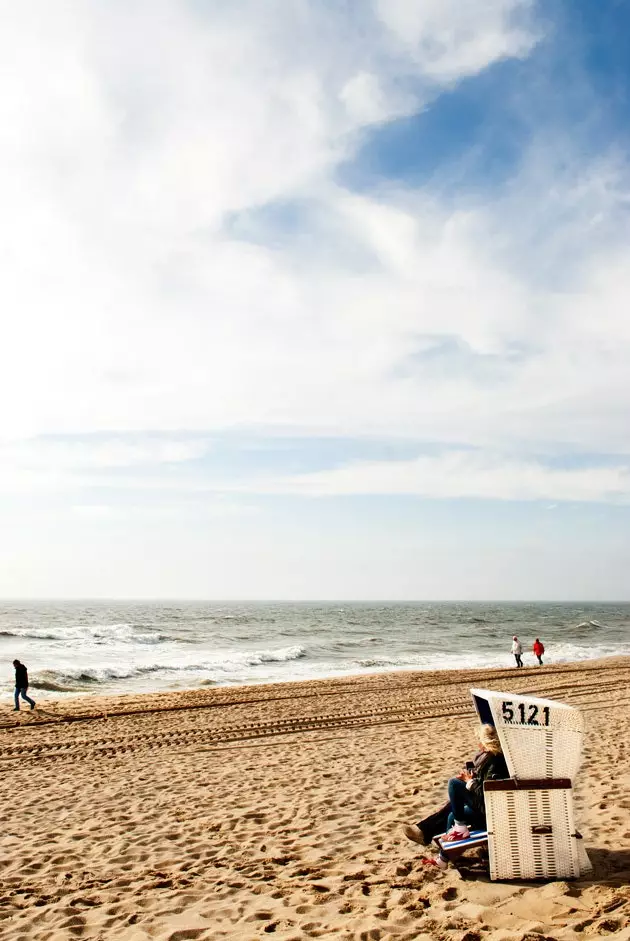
(328, 601)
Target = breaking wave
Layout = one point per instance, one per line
(98, 633)
(277, 656)
(68, 680)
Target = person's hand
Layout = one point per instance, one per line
(465, 775)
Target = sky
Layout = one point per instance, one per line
(310, 299)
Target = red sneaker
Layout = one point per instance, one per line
(459, 832)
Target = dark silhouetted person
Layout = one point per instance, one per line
(539, 649)
(517, 650)
(21, 685)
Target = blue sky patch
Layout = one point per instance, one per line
(473, 137)
(464, 137)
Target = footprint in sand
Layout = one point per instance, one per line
(186, 934)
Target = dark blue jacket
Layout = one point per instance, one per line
(21, 677)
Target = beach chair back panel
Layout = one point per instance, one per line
(531, 834)
(541, 738)
(541, 755)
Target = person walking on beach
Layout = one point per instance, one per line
(517, 650)
(21, 685)
(539, 649)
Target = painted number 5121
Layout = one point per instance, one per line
(524, 715)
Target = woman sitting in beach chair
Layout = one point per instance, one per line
(465, 809)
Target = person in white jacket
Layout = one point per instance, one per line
(517, 650)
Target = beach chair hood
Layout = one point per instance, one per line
(540, 738)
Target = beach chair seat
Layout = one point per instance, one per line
(458, 847)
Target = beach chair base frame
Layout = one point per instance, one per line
(454, 850)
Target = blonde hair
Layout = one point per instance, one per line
(489, 739)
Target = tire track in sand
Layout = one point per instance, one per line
(126, 732)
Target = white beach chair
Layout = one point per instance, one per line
(531, 828)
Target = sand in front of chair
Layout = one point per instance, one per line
(275, 811)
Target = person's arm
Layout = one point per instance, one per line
(475, 780)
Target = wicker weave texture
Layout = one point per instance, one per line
(516, 852)
(540, 738)
(533, 753)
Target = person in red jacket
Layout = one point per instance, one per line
(539, 649)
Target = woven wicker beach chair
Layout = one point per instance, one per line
(531, 832)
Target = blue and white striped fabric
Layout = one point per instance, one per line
(476, 838)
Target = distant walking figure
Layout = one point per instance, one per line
(539, 649)
(21, 685)
(517, 650)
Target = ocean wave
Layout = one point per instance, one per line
(77, 679)
(86, 677)
(98, 633)
(50, 686)
(376, 662)
(241, 619)
(556, 653)
(593, 623)
(279, 656)
(30, 635)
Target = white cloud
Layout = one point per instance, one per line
(49, 465)
(100, 453)
(154, 478)
(467, 474)
(129, 134)
(364, 99)
(448, 37)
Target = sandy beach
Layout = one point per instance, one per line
(246, 812)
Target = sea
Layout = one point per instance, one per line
(96, 647)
